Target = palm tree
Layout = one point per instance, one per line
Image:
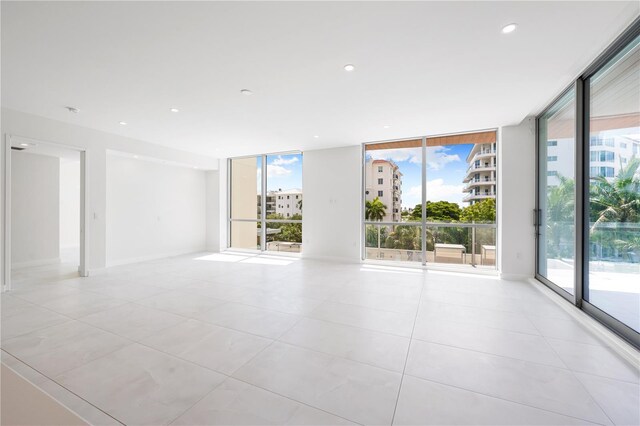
(560, 215)
(617, 201)
(375, 210)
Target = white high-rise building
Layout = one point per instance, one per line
(288, 202)
(608, 154)
(480, 178)
(384, 180)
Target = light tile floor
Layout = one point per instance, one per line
(243, 339)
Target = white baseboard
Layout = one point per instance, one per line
(613, 341)
(34, 263)
(515, 277)
(147, 258)
(336, 259)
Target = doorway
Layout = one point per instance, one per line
(44, 212)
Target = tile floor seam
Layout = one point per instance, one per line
(494, 354)
(504, 399)
(182, 319)
(186, 318)
(38, 329)
(573, 374)
(406, 359)
(235, 378)
(63, 387)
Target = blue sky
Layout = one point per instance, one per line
(446, 167)
(283, 172)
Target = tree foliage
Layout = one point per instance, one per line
(375, 210)
(482, 212)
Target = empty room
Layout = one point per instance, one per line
(320, 213)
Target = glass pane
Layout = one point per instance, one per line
(461, 187)
(393, 182)
(284, 187)
(613, 283)
(556, 156)
(245, 235)
(397, 242)
(284, 237)
(245, 188)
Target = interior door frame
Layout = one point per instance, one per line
(6, 218)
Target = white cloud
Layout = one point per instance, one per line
(437, 190)
(414, 155)
(437, 157)
(284, 161)
(274, 171)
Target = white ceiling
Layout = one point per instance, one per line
(422, 67)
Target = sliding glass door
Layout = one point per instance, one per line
(265, 203)
(588, 211)
(557, 193)
(432, 200)
(612, 283)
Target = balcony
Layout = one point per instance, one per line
(479, 182)
(465, 244)
(480, 196)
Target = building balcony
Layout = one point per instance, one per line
(476, 169)
(479, 182)
(480, 196)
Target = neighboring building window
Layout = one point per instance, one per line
(379, 193)
(552, 158)
(552, 173)
(380, 181)
(380, 169)
(287, 197)
(623, 145)
(552, 143)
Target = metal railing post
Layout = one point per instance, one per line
(473, 244)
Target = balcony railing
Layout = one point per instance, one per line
(465, 244)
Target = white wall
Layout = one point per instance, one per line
(332, 185)
(95, 143)
(516, 200)
(34, 209)
(153, 210)
(69, 204)
(213, 212)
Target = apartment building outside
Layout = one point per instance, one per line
(607, 156)
(480, 178)
(287, 203)
(384, 180)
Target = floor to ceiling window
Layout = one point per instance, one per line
(599, 260)
(265, 202)
(432, 200)
(613, 240)
(556, 183)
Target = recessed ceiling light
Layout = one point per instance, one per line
(386, 126)
(509, 28)
(135, 156)
(349, 67)
(246, 92)
(24, 144)
(195, 167)
(123, 123)
(174, 110)
(316, 136)
(72, 109)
